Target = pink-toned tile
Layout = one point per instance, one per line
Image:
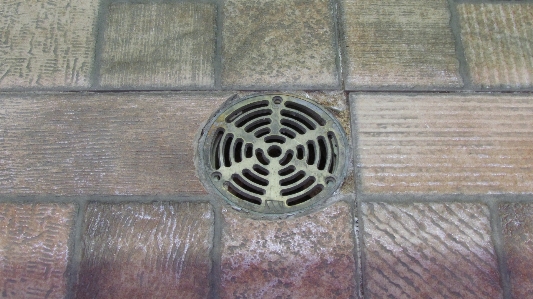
(159, 250)
(429, 251)
(109, 144)
(445, 143)
(306, 257)
(34, 249)
(517, 223)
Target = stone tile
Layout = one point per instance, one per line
(305, 257)
(107, 144)
(34, 249)
(158, 250)
(429, 251)
(399, 44)
(444, 143)
(159, 45)
(47, 43)
(497, 39)
(517, 224)
(278, 44)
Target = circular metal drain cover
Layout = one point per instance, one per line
(273, 154)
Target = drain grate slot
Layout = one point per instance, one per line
(299, 187)
(274, 153)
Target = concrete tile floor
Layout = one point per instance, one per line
(101, 102)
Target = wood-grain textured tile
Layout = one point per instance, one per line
(47, 43)
(107, 144)
(34, 249)
(429, 251)
(517, 223)
(307, 257)
(498, 43)
(276, 44)
(159, 45)
(158, 250)
(470, 144)
(399, 44)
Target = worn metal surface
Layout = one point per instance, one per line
(273, 154)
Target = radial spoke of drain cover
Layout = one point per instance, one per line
(273, 154)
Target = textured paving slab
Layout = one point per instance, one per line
(469, 144)
(47, 43)
(276, 44)
(159, 45)
(498, 43)
(517, 223)
(107, 144)
(306, 257)
(429, 251)
(146, 251)
(399, 44)
(34, 249)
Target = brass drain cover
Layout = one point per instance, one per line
(273, 154)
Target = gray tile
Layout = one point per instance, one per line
(276, 44)
(497, 39)
(47, 43)
(159, 45)
(399, 44)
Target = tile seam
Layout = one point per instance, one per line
(76, 255)
(497, 238)
(219, 23)
(337, 43)
(455, 26)
(100, 26)
(216, 252)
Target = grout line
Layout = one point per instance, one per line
(437, 198)
(352, 107)
(497, 238)
(76, 249)
(335, 7)
(216, 253)
(356, 220)
(101, 24)
(455, 24)
(218, 43)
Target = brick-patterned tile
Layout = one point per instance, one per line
(305, 257)
(406, 44)
(497, 38)
(46, 43)
(429, 251)
(517, 224)
(34, 249)
(107, 144)
(274, 44)
(158, 250)
(159, 45)
(470, 144)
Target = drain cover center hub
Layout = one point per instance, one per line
(273, 154)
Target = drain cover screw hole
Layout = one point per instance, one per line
(216, 176)
(330, 181)
(277, 100)
(274, 151)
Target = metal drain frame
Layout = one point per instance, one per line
(222, 178)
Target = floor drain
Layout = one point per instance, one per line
(273, 154)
